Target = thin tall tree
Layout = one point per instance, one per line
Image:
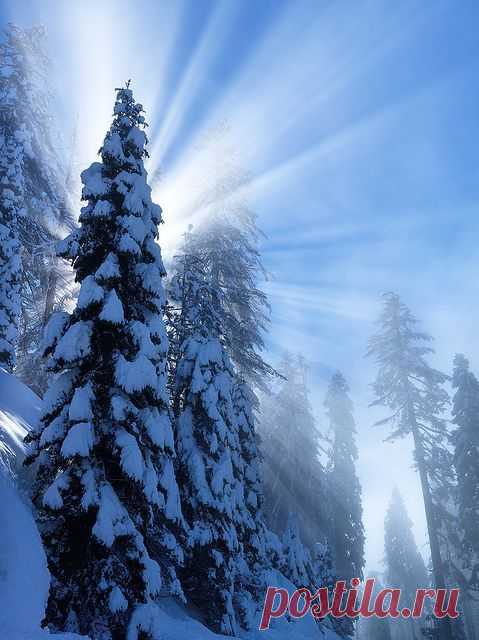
(345, 489)
(413, 391)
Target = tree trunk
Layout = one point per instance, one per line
(50, 294)
(443, 626)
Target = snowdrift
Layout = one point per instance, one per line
(24, 575)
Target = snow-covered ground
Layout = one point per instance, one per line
(23, 572)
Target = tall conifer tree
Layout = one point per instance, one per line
(345, 490)
(412, 390)
(198, 318)
(252, 530)
(106, 493)
(208, 447)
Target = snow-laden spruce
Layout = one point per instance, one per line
(258, 551)
(106, 493)
(208, 448)
(218, 456)
(11, 208)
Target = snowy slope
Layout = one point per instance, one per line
(175, 624)
(23, 571)
(18, 409)
(22, 565)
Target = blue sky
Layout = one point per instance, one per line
(359, 125)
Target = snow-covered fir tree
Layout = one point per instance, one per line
(106, 494)
(26, 109)
(226, 243)
(465, 414)
(207, 440)
(12, 140)
(405, 566)
(197, 304)
(412, 390)
(344, 488)
(252, 531)
(244, 404)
